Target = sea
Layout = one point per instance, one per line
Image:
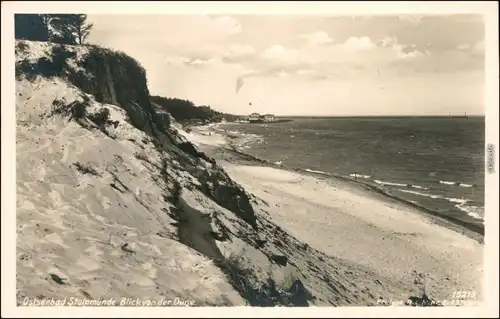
(433, 162)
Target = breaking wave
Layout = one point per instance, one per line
(384, 183)
(448, 183)
(456, 184)
(316, 172)
(465, 185)
(473, 211)
(419, 193)
(359, 175)
(390, 183)
(476, 212)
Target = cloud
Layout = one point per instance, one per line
(463, 47)
(438, 62)
(199, 62)
(195, 41)
(228, 25)
(361, 17)
(282, 73)
(387, 41)
(198, 55)
(357, 57)
(154, 31)
(410, 55)
(278, 55)
(274, 68)
(358, 44)
(241, 50)
(350, 58)
(281, 55)
(176, 60)
(318, 38)
(413, 19)
(479, 47)
(305, 72)
(395, 50)
(297, 61)
(275, 52)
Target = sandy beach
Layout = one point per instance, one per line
(347, 221)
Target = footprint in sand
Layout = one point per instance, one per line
(56, 198)
(65, 153)
(105, 201)
(89, 263)
(93, 251)
(54, 238)
(80, 148)
(100, 219)
(44, 146)
(150, 270)
(26, 205)
(142, 280)
(41, 173)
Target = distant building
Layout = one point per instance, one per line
(269, 118)
(243, 119)
(254, 117)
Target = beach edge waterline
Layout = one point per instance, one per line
(473, 231)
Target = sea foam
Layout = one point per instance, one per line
(447, 183)
(314, 171)
(359, 175)
(389, 183)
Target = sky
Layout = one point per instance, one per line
(308, 65)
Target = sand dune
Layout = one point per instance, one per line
(74, 224)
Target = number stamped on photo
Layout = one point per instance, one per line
(490, 158)
(456, 298)
(461, 298)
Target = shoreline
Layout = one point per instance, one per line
(359, 225)
(472, 231)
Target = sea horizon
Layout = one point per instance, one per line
(454, 115)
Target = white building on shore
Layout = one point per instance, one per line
(254, 117)
(269, 118)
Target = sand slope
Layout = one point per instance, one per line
(74, 225)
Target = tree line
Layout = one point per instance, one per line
(58, 28)
(185, 111)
